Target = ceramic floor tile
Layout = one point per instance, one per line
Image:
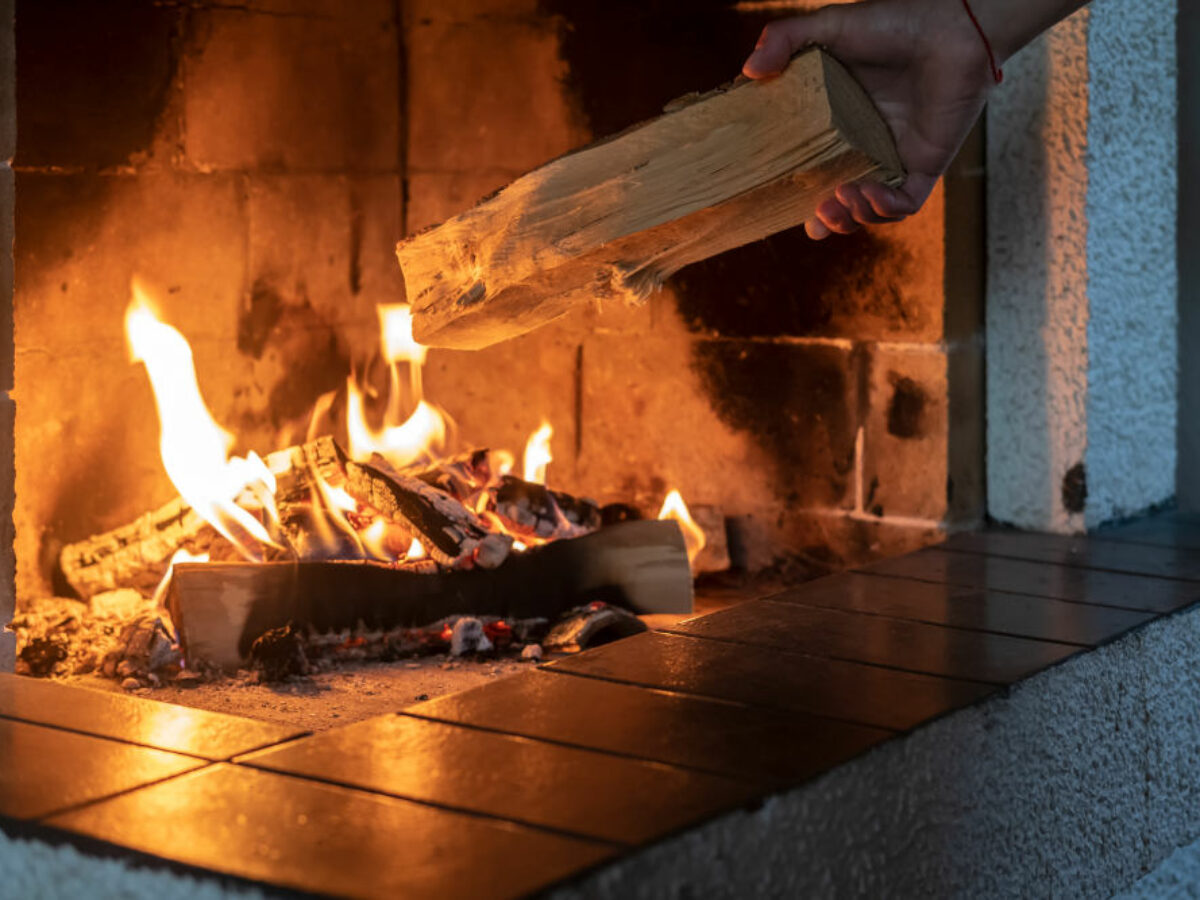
(1087, 551)
(1016, 576)
(596, 795)
(46, 770)
(1174, 529)
(760, 745)
(1022, 615)
(149, 723)
(895, 643)
(778, 679)
(325, 839)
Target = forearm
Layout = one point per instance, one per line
(1011, 24)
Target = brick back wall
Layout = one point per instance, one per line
(255, 164)
(826, 396)
(246, 160)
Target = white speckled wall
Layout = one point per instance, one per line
(1133, 280)
(1082, 282)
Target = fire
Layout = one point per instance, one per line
(537, 454)
(179, 556)
(194, 448)
(401, 441)
(693, 536)
(237, 495)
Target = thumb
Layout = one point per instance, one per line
(780, 40)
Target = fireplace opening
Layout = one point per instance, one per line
(234, 179)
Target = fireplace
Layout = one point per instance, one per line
(254, 166)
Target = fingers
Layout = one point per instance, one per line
(780, 40)
(866, 203)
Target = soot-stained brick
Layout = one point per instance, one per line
(906, 409)
(784, 285)
(667, 48)
(1074, 489)
(796, 403)
(259, 316)
(92, 79)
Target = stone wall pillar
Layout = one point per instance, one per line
(1083, 279)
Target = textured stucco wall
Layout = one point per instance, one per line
(1037, 281)
(1133, 279)
(1073, 784)
(1081, 271)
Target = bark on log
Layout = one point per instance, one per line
(616, 218)
(450, 533)
(135, 555)
(538, 511)
(220, 609)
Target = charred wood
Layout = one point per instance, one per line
(136, 555)
(221, 609)
(450, 533)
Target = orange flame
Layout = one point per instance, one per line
(402, 441)
(693, 536)
(537, 454)
(194, 448)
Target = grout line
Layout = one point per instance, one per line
(975, 587)
(892, 668)
(990, 590)
(607, 751)
(131, 790)
(952, 626)
(696, 695)
(115, 740)
(433, 804)
(1065, 564)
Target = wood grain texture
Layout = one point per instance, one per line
(615, 219)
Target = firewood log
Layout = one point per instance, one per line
(221, 608)
(615, 219)
(536, 510)
(450, 533)
(135, 555)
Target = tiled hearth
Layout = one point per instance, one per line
(554, 774)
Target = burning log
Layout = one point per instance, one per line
(535, 509)
(618, 217)
(220, 609)
(460, 476)
(299, 469)
(450, 533)
(135, 555)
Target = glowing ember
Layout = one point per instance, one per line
(415, 550)
(693, 536)
(195, 449)
(537, 454)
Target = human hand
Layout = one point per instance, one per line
(926, 68)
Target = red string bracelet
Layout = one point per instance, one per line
(997, 73)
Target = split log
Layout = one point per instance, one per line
(135, 555)
(460, 476)
(536, 510)
(616, 218)
(450, 533)
(298, 468)
(220, 609)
